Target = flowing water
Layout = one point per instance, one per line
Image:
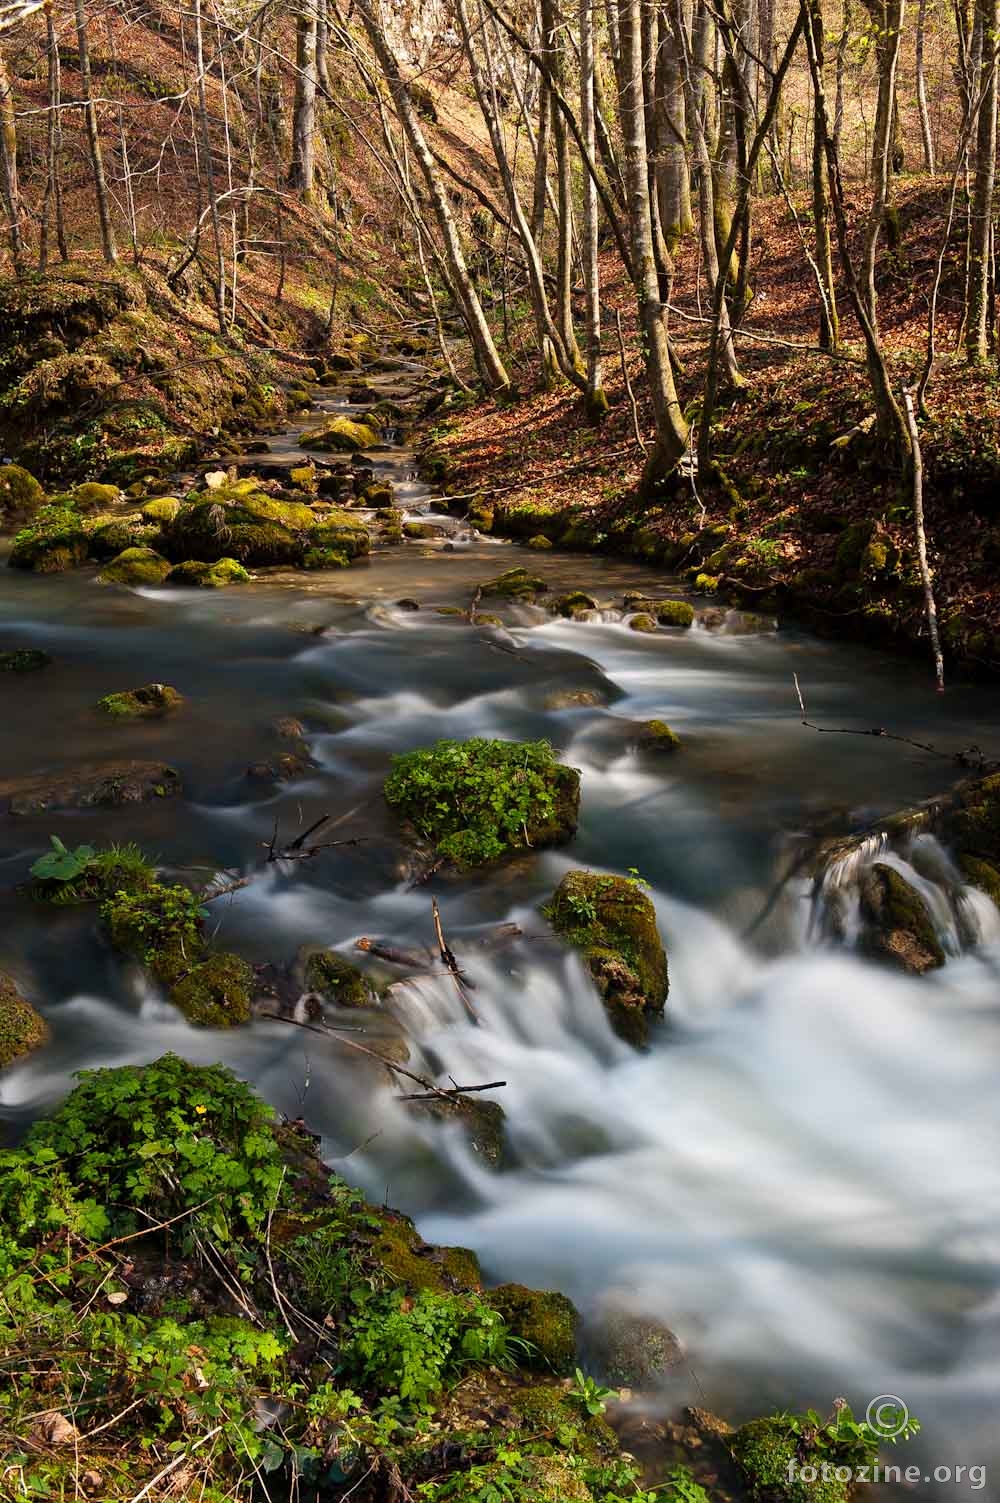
(800, 1176)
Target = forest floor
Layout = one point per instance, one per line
(794, 520)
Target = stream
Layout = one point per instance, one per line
(800, 1177)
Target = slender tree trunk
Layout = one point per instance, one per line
(829, 327)
(888, 16)
(597, 401)
(847, 16)
(302, 175)
(8, 166)
(672, 173)
(977, 320)
(541, 178)
(926, 133)
(108, 243)
(323, 45)
(488, 361)
(671, 427)
(206, 146)
(552, 47)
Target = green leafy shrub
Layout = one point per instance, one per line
(478, 799)
(87, 875)
(412, 1343)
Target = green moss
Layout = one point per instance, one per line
(159, 925)
(539, 543)
(543, 1479)
(216, 993)
(379, 495)
(545, 1318)
(575, 603)
(613, 923)
(406, 1259)
(669, 612)
(294, 515)
(765, 1450)
(481, 515)
(161, 510)
(21, 1027)
(420, 530)
(642, 622)
(135, 566)
(208, 530)
(337, 980)
(93, 497)
(303, 477)
(20, 493)
(342, 533)
(515, 584)
(852, 546)
(24, 660)
(900, 928)
(107, 538)
(325, 558)
(708, 584)
(982, 874)
(149, 702)
(481, 1121)
(225, 571)
(973, 824)
(477, 800)
(657, 736)
(54, 541)
(340, 434)
(635, 1351)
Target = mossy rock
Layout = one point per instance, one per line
(852, 546)
(110, 785)
(767, 1452)
(899, 928)
(545, 1318)
(634, 1351)
(982, 874)
(135, 566)
(148, 703)
(666, 612)
(575, 603)
(304, 477)
(161, 510)
(539, 543)
(109, 537)
(340, 435)
(478, 800)
(481, 1122)
(24, 660)
(972, 824)
(216, 993)
(481, 515)
(642, 622)
(55, 541)
(217, 576)
(613, 923)
(20, 493)
(94, 497)
(325, 558)
(207, 530)
(421, 530)
(657, 736)
(296, 516)
(707, 584)
(515, 584)
(379, 496)
(336, 980)
(339, 532)
(22, 1029)
(413, 1264)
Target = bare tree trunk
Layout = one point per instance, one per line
(925, 117)
(303, 169)
(596, 397)
(671, 427)
(488, 361)
(541, 179)
(829, 326)
(672, 172)
(53, 203)
(108, 244)
(930, 605)
(888, 17)
(981, 213)
(323, 45)
(8, 166)
(552, 49)
(206, 145)
(847, 15)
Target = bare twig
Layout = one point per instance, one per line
(450, 962)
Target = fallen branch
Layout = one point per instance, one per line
(462, 1090)
(970, 756)
(450, 961)
(297, 850)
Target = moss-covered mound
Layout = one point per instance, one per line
(898, 925)
(24, 660)
(336, 980)
(218, 576)
(86, 875)
(21, 1027)
(20, 494)
(477, 800)
(613, 923)
(164, 927)
(160, 510)
(574, 603)
(54, 540)
(481, 1122)
(135, 567)
(340, 434)
(666, 612)
(546, 1319)
(240, 523)
(515, 584)
(770, 1455)
(642, 622)
(657, 736)
(147, 703)
(972, 823)
(107, 537)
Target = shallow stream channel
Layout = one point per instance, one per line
(799, 1176)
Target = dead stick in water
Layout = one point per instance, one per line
(449, 960)
(969, 756)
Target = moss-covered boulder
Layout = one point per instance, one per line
(333, 977)
(21, 1027)
(199, 576)
(481, 1122)
(340, 435)
(110, 536)
(982, 874)
(768, 1453)
(413, 1264)
(148, 703)
(420, 531)
(898, 925)
(972, 821)
(109, 785)
(642, 622)
(575, 603)
(216, 993)
(90, 496)
(54, 540)
(478, 800)
(24, 660)
(324, 558)
(515, 584)
(539, 543)
(20, 494)
(545, 1318)
(205, 531)
(634, 1351)
(161, 510)
(612, 922)
(666, 612)
(135, 567)
(339, 532)
(656, 736)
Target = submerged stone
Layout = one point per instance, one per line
(24, 660)
(147, 703)
(107, 784)
(612, 922)
(135, 566)
(634, 1351)
(338, 981)
(666, 612)
(899, 926)
(22, 1029)
(657, 736)
(576, 603)
(481, 1122)
(516, 584)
